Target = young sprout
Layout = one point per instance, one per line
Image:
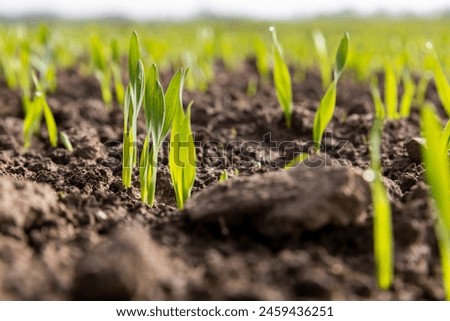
(382, 225)
(182, 158)
(66, 141)
(390, 91)
(328, 103)
(300, 158)
(390, 108)
(380, 110)
(160, 114)
(223, 176)
(134, 96)
(409, 89)
(442, 85)
(37, 107)
(437, 174)
(118, 85)
(324, 62)
(102, 70)
(282, 79)
(446, 137)
(262, 62)
(422, 88)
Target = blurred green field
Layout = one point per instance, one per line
(196, 44)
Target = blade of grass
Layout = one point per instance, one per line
(408, 95)
(66, 141)
(437, 174)
(282, 79)
(383, 240)
(300, 158)
(327, 104)
(223, 176)
(442, 85)
(182, 157)
(380, 109)
(50, 122)
(133, 56)
(324, 61)
(390, 91)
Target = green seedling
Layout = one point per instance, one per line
(390, 109)
(282, 79)
(422, 88)
(118, 85)
(390, 91)
(102, 70)
(380, 110)
(300, 158)
(134, 96)
(223, 176)
(382, 225)
(66, 141)
(442, 85)
(328, 103)
(446, 137)
(409, 89)
(36, 108)
(182, 157)
(160, 112)
(437, 174)
(324, 62)
(262, 61)
(43, 60)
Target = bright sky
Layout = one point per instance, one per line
(143, 9)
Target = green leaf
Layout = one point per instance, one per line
(223, 176)
(154, 105)
(282, 80)
(66, 141)
(382, 234)
(442, 85)
(383, 239)
(446, 137)
(32, 120)
(133, 56)
(341, 55)
(115, 51)
(139, 87)
(380, 109)
(143, 169)
(98, 54)
(437, 174)
(43, 34)
(127, 160)
(173, 100)
(324, 61)
(436, 163)
(182, 157)
(126, 108)
(50, 122)
(409, 89)
(390, 91)
(300, 158)
(261, 57)
(324, 114)
(151, 175)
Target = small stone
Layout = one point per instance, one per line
(414, 147)
(101, 216)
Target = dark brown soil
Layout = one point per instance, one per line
(68, 230)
